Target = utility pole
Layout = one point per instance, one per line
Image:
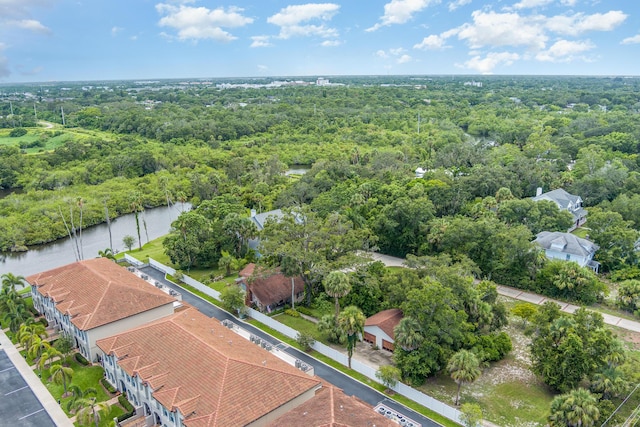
(418, 122)
(293, 299)
(62, 110)
(35, 112)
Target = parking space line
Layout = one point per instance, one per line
(28, 415)
(17, 390)
(8, 369)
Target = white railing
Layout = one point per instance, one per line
(366, 370)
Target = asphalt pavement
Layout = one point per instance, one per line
(349, 385)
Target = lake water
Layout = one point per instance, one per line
(94, 239)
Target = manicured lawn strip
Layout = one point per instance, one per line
(152, 249)
(83, 376)
(350, 372)
(302, 325)
(193, 290)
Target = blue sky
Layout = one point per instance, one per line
(44, 40)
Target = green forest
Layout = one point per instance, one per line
(438, 170)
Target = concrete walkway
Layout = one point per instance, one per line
(34, 383)
(521, 295)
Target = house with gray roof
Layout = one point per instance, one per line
(568, 247)
(567, 202)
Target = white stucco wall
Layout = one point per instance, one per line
(379, 334)
(125, 324)
(582, 261)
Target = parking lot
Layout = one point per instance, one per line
(18, 405)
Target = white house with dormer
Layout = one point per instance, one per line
(568, 247)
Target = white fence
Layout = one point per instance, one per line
(133, 261)
(186, 279)
(366, 370)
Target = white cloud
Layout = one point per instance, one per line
(29, 25)
(458, 3)
(502, 29)
(631, 40)
(294, 15)
(11, 9)
(492, 60)
(262, 68)
(260, 41)
(116, 30)
(400, 11)
(331, 43)
(398, 55)
(196, 23)
(294, 20)
(580, 23)
(432, 42)
(525, 4)
(564, 51)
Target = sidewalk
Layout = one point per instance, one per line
(34, 383)
(521, 295)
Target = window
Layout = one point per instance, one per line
(568, 257)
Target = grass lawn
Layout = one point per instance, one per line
(105, 421)
(508, 392)
(301, 325)
(153, 249)
(34, 134)
(581, 232)
(83, 376)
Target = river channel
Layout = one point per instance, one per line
(94, 239)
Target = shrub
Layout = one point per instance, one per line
(107, 385)
(304, 310)
(128, 407)
(124, 402)
(81, 360)
(292, 312)
(305, 341)
(17, 132)
(493, 347)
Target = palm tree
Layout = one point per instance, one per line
(407, 334)
(37, 348)
(47, 357)
(464, 367)
(351, 321)
(225, 262)
(91, 410)
(78, 397)
(578, 408)
(16, 315)
(610, 382)
(11, 281)
(27, 333)
(61, 374)
(136, 206)
(107, 253)
(337, 285)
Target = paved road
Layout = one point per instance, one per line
(521, 295)
(329, 374)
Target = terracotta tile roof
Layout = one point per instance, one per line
(97, 291)
(332, 408)
(247, 271)
(271, 286)
(386, 320)
(212, 375)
